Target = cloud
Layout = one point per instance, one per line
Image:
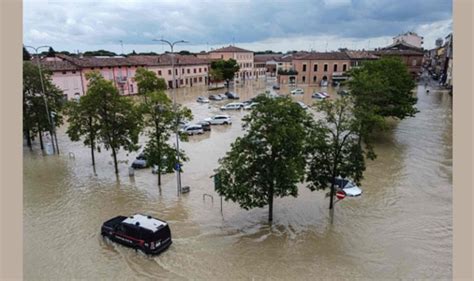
(91, 23)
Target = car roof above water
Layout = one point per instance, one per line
(146, 222)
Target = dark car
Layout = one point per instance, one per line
(276, 87)
(140, 232)
(232, 96)
(206, 126)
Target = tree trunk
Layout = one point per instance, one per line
(331, 201)
(40, 134)
(92, 141)
(114, 154)
(56, 141)
(28, 138)
(270, 204)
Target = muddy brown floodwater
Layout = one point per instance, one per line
(400, 228)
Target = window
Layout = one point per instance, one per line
(176, 71)
(169, 71)
(73, 72)
(131, 88)
(195, 79)
(314, 79)
(200, 79)
(205, 69)
(182, 70)
(194, 70)
(199, 70)
(344, 67)
(325, 67)
(414, 62)
(315, 67)
(304, 68)
(303, 79)
(181, 81)
(64, 72)
(159, 72)
(335, 67)
(189, 71)
(186, 81)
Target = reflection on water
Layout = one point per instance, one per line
(400, 228)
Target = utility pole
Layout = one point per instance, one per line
(49, 117)
(173, 84)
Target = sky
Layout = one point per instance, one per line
(258, 25)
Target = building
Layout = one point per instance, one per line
(244, 58)
(410, 38)
(312, 68)
(268, 63)
(412, 56)
(358, 57)
(69, 73)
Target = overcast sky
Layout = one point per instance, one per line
(257, 25)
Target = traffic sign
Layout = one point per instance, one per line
(340, 195)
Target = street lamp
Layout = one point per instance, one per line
(49, 117)
(173, 84)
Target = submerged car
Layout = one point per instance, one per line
(250, 105)
(206, 126)
(303, 106)
(343, 93)
(276, 87)
(319, 96)
(349, 187)
(193, 129)
(202, 99)
(140, 162)
(150, 235)
(297, 91)
(232, 96)
(215, 97)
(219, 120)
(232, 106)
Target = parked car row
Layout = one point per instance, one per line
(320, 95)
(219, 97)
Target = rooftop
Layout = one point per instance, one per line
(361, 55)
(230, 49)
(323, 56)
(145, 221)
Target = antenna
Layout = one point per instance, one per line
(368, 45)
(121, 44)
(326, 46)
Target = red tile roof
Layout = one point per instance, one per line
(323, 56)
(230, 49)
(361, 55)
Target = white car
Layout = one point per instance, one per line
(319, 96)
(193, 130)
(219, 120)
(349, 188)
(232, 106)
(324, 94)
(297, 91)
(250, 105)
(202, 99)
(303, 106)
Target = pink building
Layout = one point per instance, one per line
(69, 73)
(244, 58)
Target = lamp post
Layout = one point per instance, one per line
(173, 84)
(49, 117)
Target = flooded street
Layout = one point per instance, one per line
(401, 227)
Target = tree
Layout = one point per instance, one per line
(227, 68)
(51, 52)
(119, 120)
(99, 53)
(215, 75)
(84, 122)
(26, 54)
(35, 117)
(334, 149)
(381, 89)
(269, 160)
(161, 117)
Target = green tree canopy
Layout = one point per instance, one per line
(334, 149)
(225, 69)
(269, 160)
(161, 116)
(35, 117)
(119, 120)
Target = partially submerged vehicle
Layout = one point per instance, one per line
(150, 235)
